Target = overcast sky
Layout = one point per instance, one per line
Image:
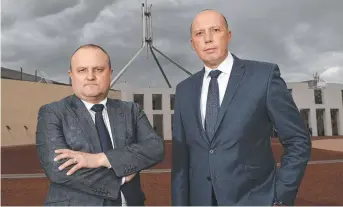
(302, 37)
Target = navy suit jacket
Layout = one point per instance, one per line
(238, 163)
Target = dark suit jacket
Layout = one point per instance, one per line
(238, 164)
(68, 124)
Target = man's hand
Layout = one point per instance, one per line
(81, 160)
(129, 177)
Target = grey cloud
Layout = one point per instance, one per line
(300, 36)
(24, 10)
(46, 8)
(7, 21)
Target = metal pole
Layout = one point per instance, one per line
(146, 19)
(159, 66)
(125, 67)
(21, 73)
(178, 65)
(143, 25)
(146, 26)
(147, 41)
(150, 24)
(144, 6)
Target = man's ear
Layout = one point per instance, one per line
(192, 43)
(229, 36)
(70, 74)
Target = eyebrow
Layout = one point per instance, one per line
(95, 67)
(78, 68)
(98, 67)
(202, 29)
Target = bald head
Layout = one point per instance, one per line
(210, 37)
(90, 46)
(209, 12)
(90, 72)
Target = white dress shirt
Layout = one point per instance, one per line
(225, 67)
(108, 126)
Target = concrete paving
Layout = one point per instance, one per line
(329, 144)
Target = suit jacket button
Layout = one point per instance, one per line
(208, 178)
(211, 151)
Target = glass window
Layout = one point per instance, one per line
(157, 101)
(318, 98)
(172, 100)
(139, 98)
(158, 124)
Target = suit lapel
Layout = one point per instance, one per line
(236, 75)
(115, 116)
(197, 86)
(85, 122)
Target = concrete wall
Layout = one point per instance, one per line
(127, 94)
(302, 95)
(332, 99)
(20, 102)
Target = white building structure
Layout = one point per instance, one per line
(157, 103)
(321, 109)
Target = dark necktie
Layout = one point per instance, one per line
(212, 105)
(104, 136)
(105, 141)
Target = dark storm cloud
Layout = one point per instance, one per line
(303, 37)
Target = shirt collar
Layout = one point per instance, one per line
(225, 66)
(90, 105)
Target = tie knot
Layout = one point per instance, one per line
(97, 107)
(215, 73)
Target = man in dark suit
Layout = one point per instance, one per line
(223, 121)
(91, 147)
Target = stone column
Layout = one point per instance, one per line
(327, 122)
(340, 121)
(148, 106)
(313, 121)
(167, 134)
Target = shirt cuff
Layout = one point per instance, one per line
(122, 180)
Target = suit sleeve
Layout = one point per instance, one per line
(101, 182)
(146, 152)
(180, 161)
(293, 136)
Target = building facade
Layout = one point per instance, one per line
(20, 102)
(321, 109)
(157, 103)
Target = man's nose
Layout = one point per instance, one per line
(90, 75)
(208, 37)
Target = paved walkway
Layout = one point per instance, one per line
(328, 144)
(42, 175)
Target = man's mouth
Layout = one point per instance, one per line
(210, 49)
